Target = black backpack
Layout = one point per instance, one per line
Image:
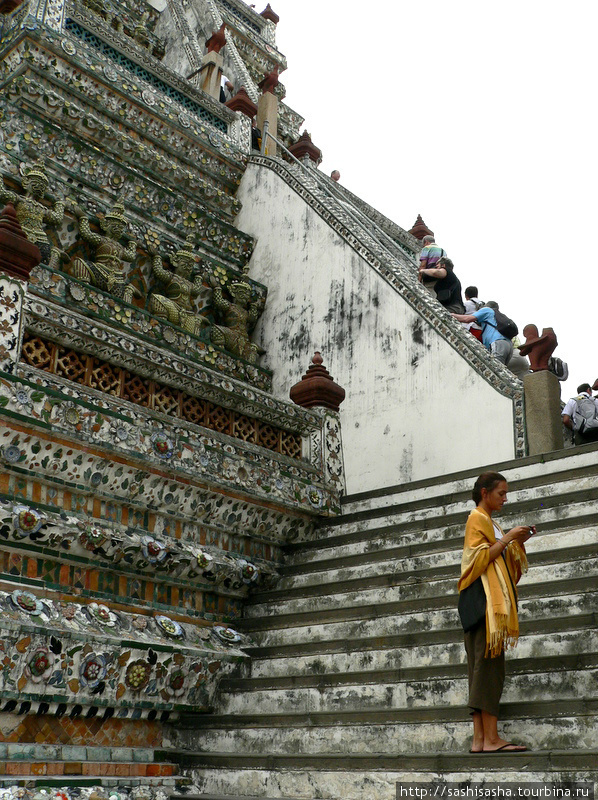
(504, 325)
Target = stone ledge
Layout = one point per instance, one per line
(438, 762)
(417, 639)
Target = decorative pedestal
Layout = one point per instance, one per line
(211, 73)
(267, 110)
(305, 147)
(543, 412)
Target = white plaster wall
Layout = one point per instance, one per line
(414, 407)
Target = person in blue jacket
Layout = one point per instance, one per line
(500, 347)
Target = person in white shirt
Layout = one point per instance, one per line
(226, 89)
(473, 303)
(577, 415)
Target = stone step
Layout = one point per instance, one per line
(318, 736)
(445, 519)
(558, 548)
(433, 715)
(408, 622)
(374, 776)
(547, 469)
(437, 533)
(211, 796)
(556, 637)
(541, 581)
(397, 695)
(517, 666)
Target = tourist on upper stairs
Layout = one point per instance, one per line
(518, 364)
(335, 175)
(226, 89)
(500, 347)
(447, 287)
(428, 258)
(473, 303)
(492, 563)
(580, 415)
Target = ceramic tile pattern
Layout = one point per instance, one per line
(51, 730)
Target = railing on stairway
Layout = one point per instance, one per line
(357, 216)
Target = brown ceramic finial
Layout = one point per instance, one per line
(243, 103)
(420, 229)
(316, 388)
(269, 82)
(18, 256)
(217, 40)
(305, 147)
(268, 13)
(538, 348)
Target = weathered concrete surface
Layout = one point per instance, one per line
(543, 412)
(415, 408)
(358, 675)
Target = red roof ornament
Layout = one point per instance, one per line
(305, 147)
(267, 13)
(316, 388)
(243, 103)
(420, 229)
(18, 256)
(269, 82)
(217, 40)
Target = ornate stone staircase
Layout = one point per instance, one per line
(357, 678)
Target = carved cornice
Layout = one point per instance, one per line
(63, 637)
(178, 498)
(133, 351)
(99, 306)
(123, 43)
(76, 539)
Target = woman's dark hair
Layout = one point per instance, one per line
(488, 481)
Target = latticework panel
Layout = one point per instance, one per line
(290, 444)
(219, 419)
(269, 437)
(244, 428)
(110, 379)
(39, 353)
(193, 409)
(105, 377)
(136, 389)
(166, 400)
(71, 365)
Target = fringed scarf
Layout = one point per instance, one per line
(502, 624)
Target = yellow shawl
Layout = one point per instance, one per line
(502, 624)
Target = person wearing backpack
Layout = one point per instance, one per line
(473, 303)
(428, 259)
(580, 415)
(448, 286)
(497, 330)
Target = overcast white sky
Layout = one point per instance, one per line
(480, 116)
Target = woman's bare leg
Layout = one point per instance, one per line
(477, 744)
(492, 740)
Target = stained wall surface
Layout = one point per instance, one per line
(415, 408)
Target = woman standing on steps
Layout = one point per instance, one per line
(491, 566)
